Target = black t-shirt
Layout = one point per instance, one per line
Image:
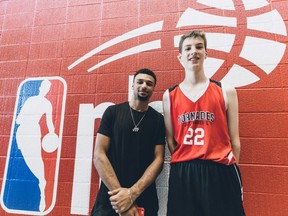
(130, 153)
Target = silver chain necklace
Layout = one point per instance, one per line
(136, 128)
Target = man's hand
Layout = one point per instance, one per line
(121, 200)
(132, 211)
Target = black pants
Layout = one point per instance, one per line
(148, 200)
(204, 188)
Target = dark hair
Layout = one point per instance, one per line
(145, 71)
(193, 34)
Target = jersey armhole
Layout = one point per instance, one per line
(224, 92)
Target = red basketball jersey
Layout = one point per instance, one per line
(200, 127)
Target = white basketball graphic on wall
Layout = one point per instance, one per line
(241, 39)
(262, 53)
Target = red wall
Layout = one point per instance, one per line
(41, 38)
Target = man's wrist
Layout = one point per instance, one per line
(130, 191)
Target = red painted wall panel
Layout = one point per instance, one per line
(43, 38)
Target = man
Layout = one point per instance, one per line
(201, 119)
(129, 153)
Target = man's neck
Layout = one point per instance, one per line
(139, 106)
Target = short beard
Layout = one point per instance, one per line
(143, 99)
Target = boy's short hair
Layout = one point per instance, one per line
(193, 34)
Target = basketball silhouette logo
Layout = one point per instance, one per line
(39, 110)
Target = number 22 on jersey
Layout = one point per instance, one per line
(194, 137)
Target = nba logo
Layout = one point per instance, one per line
(32, 165)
